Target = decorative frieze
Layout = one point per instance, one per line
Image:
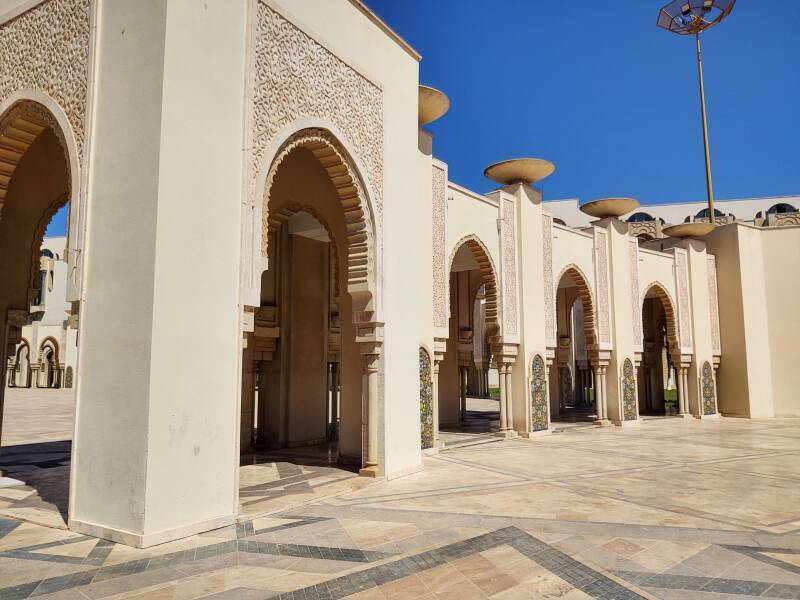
(603, 290)
(47, 49)
(439, 254)
(510, 320)
(636, 306)
(684, 317)
(713, 305)
(547, 284)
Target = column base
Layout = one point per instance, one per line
(430, 451)
(535, 434)
(145, 540)
(704, 417)
(686, 416)
(506, 433)
(630, 423)
(603, 423)
(373, 471)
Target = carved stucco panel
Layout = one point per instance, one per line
(295, 77)
(439, 230)
(601, 257)
(510, 318)
(682, 268)
(633, 256)
(47, 49)
(549, 294)
(713, 305)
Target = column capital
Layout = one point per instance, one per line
(370, 362)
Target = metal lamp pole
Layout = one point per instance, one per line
(686, 17)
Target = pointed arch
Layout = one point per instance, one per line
(656, 289)
(49, 342)
(355, 203)
(488, 275)
(585, 294)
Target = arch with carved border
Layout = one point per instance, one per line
(488, 275)
(23, 344)
(24, 116)
(586, 297)
(353, 191)
(49, 342)
(659, 291)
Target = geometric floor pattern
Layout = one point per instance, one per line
(670, 509)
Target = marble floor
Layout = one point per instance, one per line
(668, 509)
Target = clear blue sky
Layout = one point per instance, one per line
(611, 99)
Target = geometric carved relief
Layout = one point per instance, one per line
(713, 305)
(509, 250)
(604, 319)
(46, 50)
(628, 391)
(538, 395)
(439, 225)
(682, 268)
(707, 382)
(549, 295)
(425, 399)
(633, 256)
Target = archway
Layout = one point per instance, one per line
(20, 372)
(49, 374)
(473, 328)
(309, 379)
(658, 393)
(572, 389)
(38, 168)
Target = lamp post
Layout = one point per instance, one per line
(692, 17)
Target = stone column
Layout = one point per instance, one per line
(509, 424)
(463, 374)
(370, 402)
(502, 369)
(335, 399)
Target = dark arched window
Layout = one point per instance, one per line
(47, 253)
(640, 217)
(703, 214)
(782, 207)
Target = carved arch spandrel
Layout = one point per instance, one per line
(587, 301)
(360, 241)
(488, 275)
(659, 291)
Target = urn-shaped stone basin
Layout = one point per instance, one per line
(519, 170)
(689, 230)
(610, 207)
(433, 104)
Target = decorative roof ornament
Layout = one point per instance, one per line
(520, 170)
(610, 207)
(433, 104)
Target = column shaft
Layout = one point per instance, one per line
(436, 403)
(502, 369)
(509, 400)
(371, 373)
(463, 392)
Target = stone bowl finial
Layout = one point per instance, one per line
(610, 207)
(433, 104)
(520, 170)
(689, 230)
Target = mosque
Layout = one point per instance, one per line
(264, 252)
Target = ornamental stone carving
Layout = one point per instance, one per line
(509, 264)
(47, 49)
(646, 228)
(601, 258)
(549, 294)
(439, 225)
(779, 219)
(539, 403)
(425, 399)
(707, 384)
(296, 77)
(629, 411)
(636, 307)
(682, 268)
(713, 305)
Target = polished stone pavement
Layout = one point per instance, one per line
(667, 509)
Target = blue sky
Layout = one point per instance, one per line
(611, 99)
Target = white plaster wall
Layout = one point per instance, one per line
(472, 214)
(657, 267)
(358, 41)
(571, 247)
(423, 240)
